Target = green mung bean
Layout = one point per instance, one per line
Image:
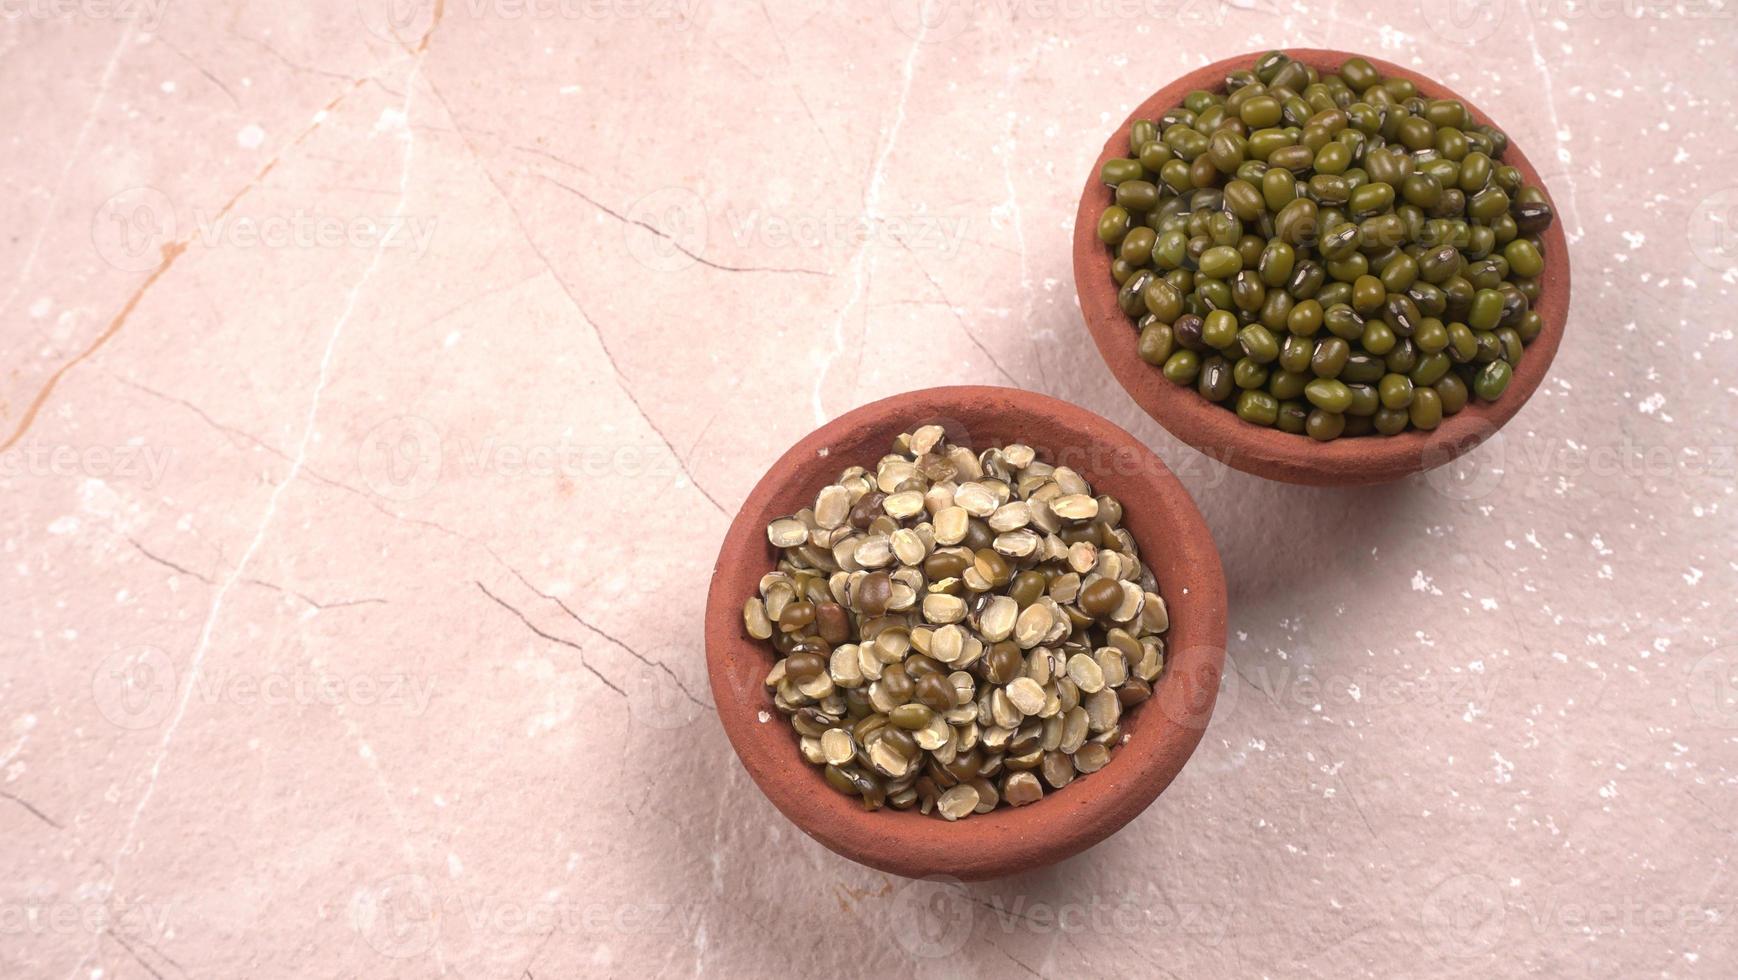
(1303, 226)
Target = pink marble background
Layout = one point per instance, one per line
(379, 379)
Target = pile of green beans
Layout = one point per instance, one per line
(1331, 255)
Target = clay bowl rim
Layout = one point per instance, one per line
(1163, 732)
(1265, 451)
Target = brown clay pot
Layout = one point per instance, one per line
(1265, 451)
(1162, 732)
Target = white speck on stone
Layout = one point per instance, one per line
(98, 498)
(763, 717)
(1692, 576)
(1652, 403)
(40, 308)
(392, 120)
(1505, 769)
(64, 525)
(250, 137)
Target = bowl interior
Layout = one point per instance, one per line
(1267, 451)
(1174, 542)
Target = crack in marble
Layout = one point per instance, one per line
(862, 264)
(551, 637)
(36, 633)
(695, 445)
(66, 169)
(112, 934)
(228, 430)
(478, 297)
(1560, 152)
(598, 631)
(280, 56)
(201, 69)
(171, 252)
(1018, 962)
(525, 971)
(32, 808)
(622, 381)
(262, 583)
(954, 311)
(440, 12)
(1350, 795)
(368, 498)
(797, 90)
(1001, 910)
(166, 563)
(627, 389)
(196, 662)
(539, 151)
(1013, 202)
(678, 246)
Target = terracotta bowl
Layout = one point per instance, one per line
(1162, 732)
(1266, 451)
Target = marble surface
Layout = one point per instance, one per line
(380, 377)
